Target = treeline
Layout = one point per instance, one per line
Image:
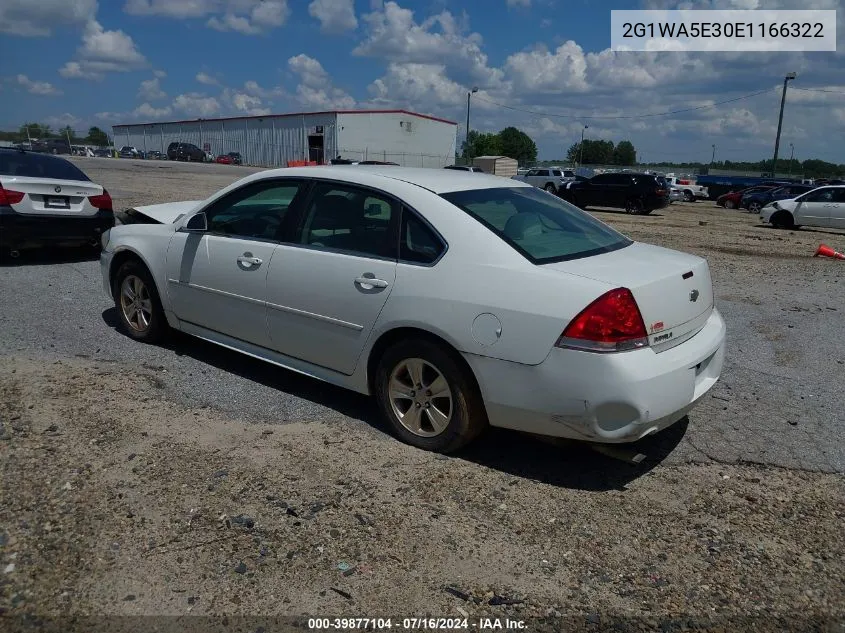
(810, 168)
(600, 152)
(510, 142)
(40, 131)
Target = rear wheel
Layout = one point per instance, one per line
(634, 206)
(138, 304)
(730, 204)
(428, 396)
(782, 220)
(754, 207)
(688, 196)
(550, 188)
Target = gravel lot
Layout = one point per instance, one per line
(125, 467)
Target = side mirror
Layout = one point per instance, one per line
(197, 223)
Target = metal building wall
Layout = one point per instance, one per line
(269, 141)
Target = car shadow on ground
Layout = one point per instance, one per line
(613, 211)
(574, 465)
(49, 256)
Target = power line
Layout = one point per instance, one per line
(627, 116)
(835, 92)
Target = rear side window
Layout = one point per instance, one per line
(543, 228)
(27, 165)
(418, 244)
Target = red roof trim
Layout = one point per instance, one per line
(282, 116)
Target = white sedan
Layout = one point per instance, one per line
(822, 207)
(456, 299)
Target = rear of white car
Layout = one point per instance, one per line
(46, 199)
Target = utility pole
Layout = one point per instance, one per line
(713, 158)
(469, 96)
(581, 147)
(789, 77)
(67, 133)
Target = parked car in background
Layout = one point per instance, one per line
(757, 200)
(377, 162)
(395, 282)
(675, 194)
(471, 168)
(155, 155)
(552, 180)
(821, 207)
(232, 158)
(186, 152)
(53, 146)
(732, 199)
(637, 193)
(47, 199)
(103, 152)
(689, 189)
(129, 151)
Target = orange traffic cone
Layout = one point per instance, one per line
(827, 251)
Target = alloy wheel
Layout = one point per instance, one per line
(420, 397)
(136, 303)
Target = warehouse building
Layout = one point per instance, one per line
(277, 140)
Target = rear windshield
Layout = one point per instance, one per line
(541, 226)
(30, 165)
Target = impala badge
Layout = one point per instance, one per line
(693, 295)
(57, 189)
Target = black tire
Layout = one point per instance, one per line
(782, 220)
(730, 204)
(157, 327)
(550, 188)
(689, 196)
(468, 417)
(754, 207)
(634, 206)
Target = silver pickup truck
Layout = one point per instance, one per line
(548, 178)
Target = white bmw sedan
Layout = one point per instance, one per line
(456, 299)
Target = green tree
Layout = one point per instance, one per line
(625, 154)
(515, 143)
(595, 152)
(481, 144)
(97, 137)
(35, 130)
(67, 133)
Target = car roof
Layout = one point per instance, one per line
(435, 180)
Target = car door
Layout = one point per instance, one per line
(813, 208)
(326, 287)
(837, 209)
(217, 278)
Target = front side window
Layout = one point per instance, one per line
(821, 195)
(255, 211)
(543, 228)
(352, 220)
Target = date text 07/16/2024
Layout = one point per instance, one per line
(415, 624)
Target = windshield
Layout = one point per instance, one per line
(28, 165)
(539, 225)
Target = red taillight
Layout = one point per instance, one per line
(611, 323)
(660, 192)
(8, 197)
(103, 201)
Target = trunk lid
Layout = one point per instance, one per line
(673, 290)
(52, 197)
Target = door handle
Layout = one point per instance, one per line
(248, 259)
(372, 282)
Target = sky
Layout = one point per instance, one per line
(544, 66)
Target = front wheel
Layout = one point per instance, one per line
(550, 188)
(689, 196)
(730, 204)
(754, 207)
(428, 397)
(138, 304)
(782, 220)
(634, 206)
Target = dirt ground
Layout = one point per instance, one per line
(118, 499)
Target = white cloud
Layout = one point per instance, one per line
(151, 113)
(38, 18)
(394, 35)
(101, 52)
(248, 17)
(541, 70)
(255, 89)
(150, 90)
(196, 104)
(418, 85)
(43, 88)
(63, 120)
(160, 74)
(315, 89)
(208, 80)
(335, 16)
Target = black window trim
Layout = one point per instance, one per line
(406, 208)
(285, 226)
(538, 261)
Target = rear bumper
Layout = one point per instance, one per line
(608, 398)
(19, 230)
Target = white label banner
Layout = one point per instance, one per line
(728, 30)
